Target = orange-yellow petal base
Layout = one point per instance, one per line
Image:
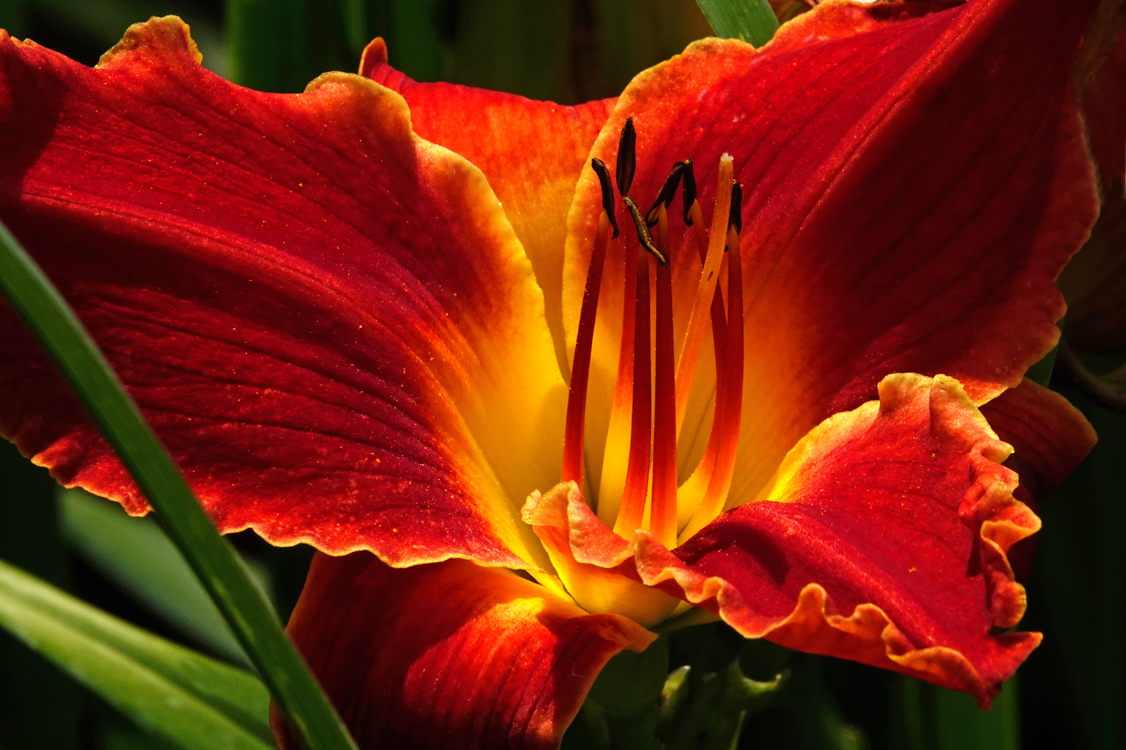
(450, 655)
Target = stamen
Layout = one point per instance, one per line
(728, 420)
(736, 218)
(643, 235)
(580, 366)
(705, 290)
(689, 178)
(607, 192)
(632, 510)
(615, 457)
(639, 470)
(668, 192)
(627, 157)
(662, 516)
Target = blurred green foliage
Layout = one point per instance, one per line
(174, 692)
(565, 50)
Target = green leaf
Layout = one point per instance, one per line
(629, 36)
(119, 733)
(631, 682)
(180, 695)
(40, 704)
(750, 20)
(927, 717)
(711, 711)
(1075, 595)
(215, 563)
(519, 46)
(414, 39)
(806, 714)
(281, 45)
(137, 555)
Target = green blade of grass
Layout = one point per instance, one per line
(144, 676)
(242, 603)
(750, 20)
(137, 556)
(928, 717)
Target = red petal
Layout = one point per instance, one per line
(327, 320)
(1049, 435)
(531, 152)
(915, 181)
(450, 655)
(882, 539)
(1094, 283)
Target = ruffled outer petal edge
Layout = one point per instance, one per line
(1049, 436)
(869, 635)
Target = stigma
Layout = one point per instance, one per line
(638, 486)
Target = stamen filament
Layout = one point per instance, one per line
(580, 366)
(662, 516)
(632, 510)
(615, 456)
(705, 290)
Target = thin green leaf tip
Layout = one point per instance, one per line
(240, 600)
(750, 20)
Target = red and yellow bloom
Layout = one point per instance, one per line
(352, 337)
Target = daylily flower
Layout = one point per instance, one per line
(351, 337)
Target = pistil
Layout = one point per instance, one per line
(723, 443)
(705, 290)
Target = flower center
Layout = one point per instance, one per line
(638, 487)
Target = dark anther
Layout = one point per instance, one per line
(689, 178)
(607, 192)
(736, 217)
(627, 157)
(643, 235)
(668, 192)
